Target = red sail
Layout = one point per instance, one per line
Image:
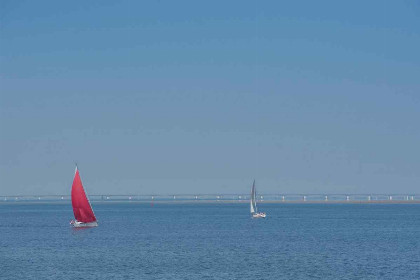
(81, 206)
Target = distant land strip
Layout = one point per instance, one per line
(228, 198)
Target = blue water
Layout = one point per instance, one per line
(211, 241)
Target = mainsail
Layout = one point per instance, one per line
(81, 206)
(253, 199)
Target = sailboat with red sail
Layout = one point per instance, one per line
(83, 213)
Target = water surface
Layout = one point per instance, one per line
(211, 241)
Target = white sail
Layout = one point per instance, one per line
(253, 201)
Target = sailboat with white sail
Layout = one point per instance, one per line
(253, 204)
(83, 213)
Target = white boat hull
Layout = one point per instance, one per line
(78, 224)
(259, 215)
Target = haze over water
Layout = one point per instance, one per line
(211, 241)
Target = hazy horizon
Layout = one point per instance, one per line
(188, 97)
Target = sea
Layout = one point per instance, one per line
(211, 241)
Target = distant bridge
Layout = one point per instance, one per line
(275, 198)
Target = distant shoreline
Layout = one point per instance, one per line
(13, 202)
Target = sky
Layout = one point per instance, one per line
(201, 97)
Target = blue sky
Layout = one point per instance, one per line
(203, 97)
